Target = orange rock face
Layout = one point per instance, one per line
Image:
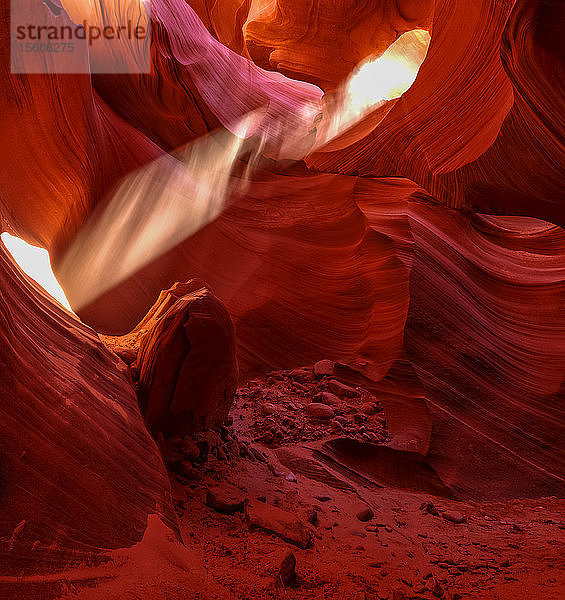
(321, 41)
(466, 129)
(383, 271)
(414, 257)
(73, 445)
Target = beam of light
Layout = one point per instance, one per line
(35, 262)
(153, 210)
(375, 82)
(390, 75)
(159, 206)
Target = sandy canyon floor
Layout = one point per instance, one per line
(279, 485)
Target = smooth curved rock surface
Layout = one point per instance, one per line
(80, 474)
(49, 191)
(481, 125)
(63, 149)
(299, 269)
(390, 262)
(388, 277)
(199, 84)
(316, 41)
(185, 368)
(490, 368)
(322, 40)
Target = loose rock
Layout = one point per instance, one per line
(302, 375)
(328, 398)
(320, 411)
(342, 390)
(434, 587)
(453, 516)
(322, 498)
(226, 499)
(287, 571)
(256, 454)
(280, 522)
(365, 514)
(430, 508)
(369, 409)
(323, 368)
(184, 469)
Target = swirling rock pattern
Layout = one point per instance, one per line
(317, 41)
(388, 276)
(50, 199)
(62, 150)
(322, 40)
(292, 241)
(80, 474)
(422, 251)
(487, 372)
(480, 127)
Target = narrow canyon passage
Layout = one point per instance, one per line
(282, 300)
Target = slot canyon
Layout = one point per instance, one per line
(282, 300)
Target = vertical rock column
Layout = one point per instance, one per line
(186, 366)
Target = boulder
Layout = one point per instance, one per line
(280, 522)
(365, 514)
(226, 499)
(80, 475)
(328, 398)
(453, 516)
(342, 390)
(323, 368)
(186, 361)
(317, 410)
(287, 571)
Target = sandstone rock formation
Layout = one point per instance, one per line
(417, 258)
(185, 368)
(478, 129)
(382, 270)
(80, 474)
